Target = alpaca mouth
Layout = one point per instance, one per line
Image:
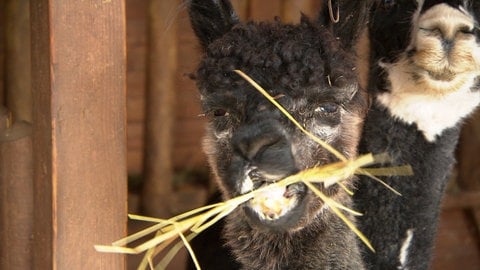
(273, 203)
(446, 76)
(276, 206)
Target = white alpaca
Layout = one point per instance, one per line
(423, 83)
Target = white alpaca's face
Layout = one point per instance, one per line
(444, 48)
(434, 84)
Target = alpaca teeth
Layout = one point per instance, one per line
(271, 203)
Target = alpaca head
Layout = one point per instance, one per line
(432, 76)
(249, 143)
(444, 47)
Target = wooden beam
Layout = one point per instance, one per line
(2, 52)
(261, 10)
(241, 8)
(79, 133)
(292, 9)
(17, 60)
(467, 154)
(461, 200)
(468, 170)
(160, 113)
(16, 194)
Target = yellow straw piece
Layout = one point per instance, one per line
(332, 206)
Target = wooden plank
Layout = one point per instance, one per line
(136, 84)
(17, 59)
(160, 96)
(190, 156)
(456, 246)
(468, 169)
(16, 196)
(261, 10)
(468, 149)
(78, 64)
(241, 8)
(461, 200)
(136, 109)
(292, 9)
(135, 162)
(2, 51)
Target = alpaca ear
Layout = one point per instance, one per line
(347, 19)
(211, 19)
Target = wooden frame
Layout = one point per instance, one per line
(79, 133)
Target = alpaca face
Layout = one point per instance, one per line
(438, 69)
(249, 143)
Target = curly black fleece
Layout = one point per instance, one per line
(278, 56)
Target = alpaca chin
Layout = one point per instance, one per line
(278, 208)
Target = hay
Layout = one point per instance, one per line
(188, 225)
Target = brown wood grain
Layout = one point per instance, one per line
(241, 8)
(261, 10)
(2, 52)
(79, 134)
(16, 197)
(17, 59)
(468, 153)
(160, 113)
(292, 9)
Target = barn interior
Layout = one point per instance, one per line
(99, 118)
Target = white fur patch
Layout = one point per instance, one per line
(432, 113)
(247, 183)
(403, 257)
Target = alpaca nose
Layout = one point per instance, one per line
(253, 141)
(253, 148)
(266, 147)
(447, 45)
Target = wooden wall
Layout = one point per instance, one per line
(460, 219)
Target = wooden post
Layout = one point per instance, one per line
(160, 113)
(292, 9)
(468, 149)
(2, 52)
(79, 133)
(17, 59)
(261, 10)
(16, 158)
(241, 8)
(468, 169)
(16, 194)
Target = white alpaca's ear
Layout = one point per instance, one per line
(211, 19)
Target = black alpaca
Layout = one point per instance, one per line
(249, 143)
(423, 82)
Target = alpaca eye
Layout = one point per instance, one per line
(466, 30)
(220, 112)
(327, 108)
(388, 4)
